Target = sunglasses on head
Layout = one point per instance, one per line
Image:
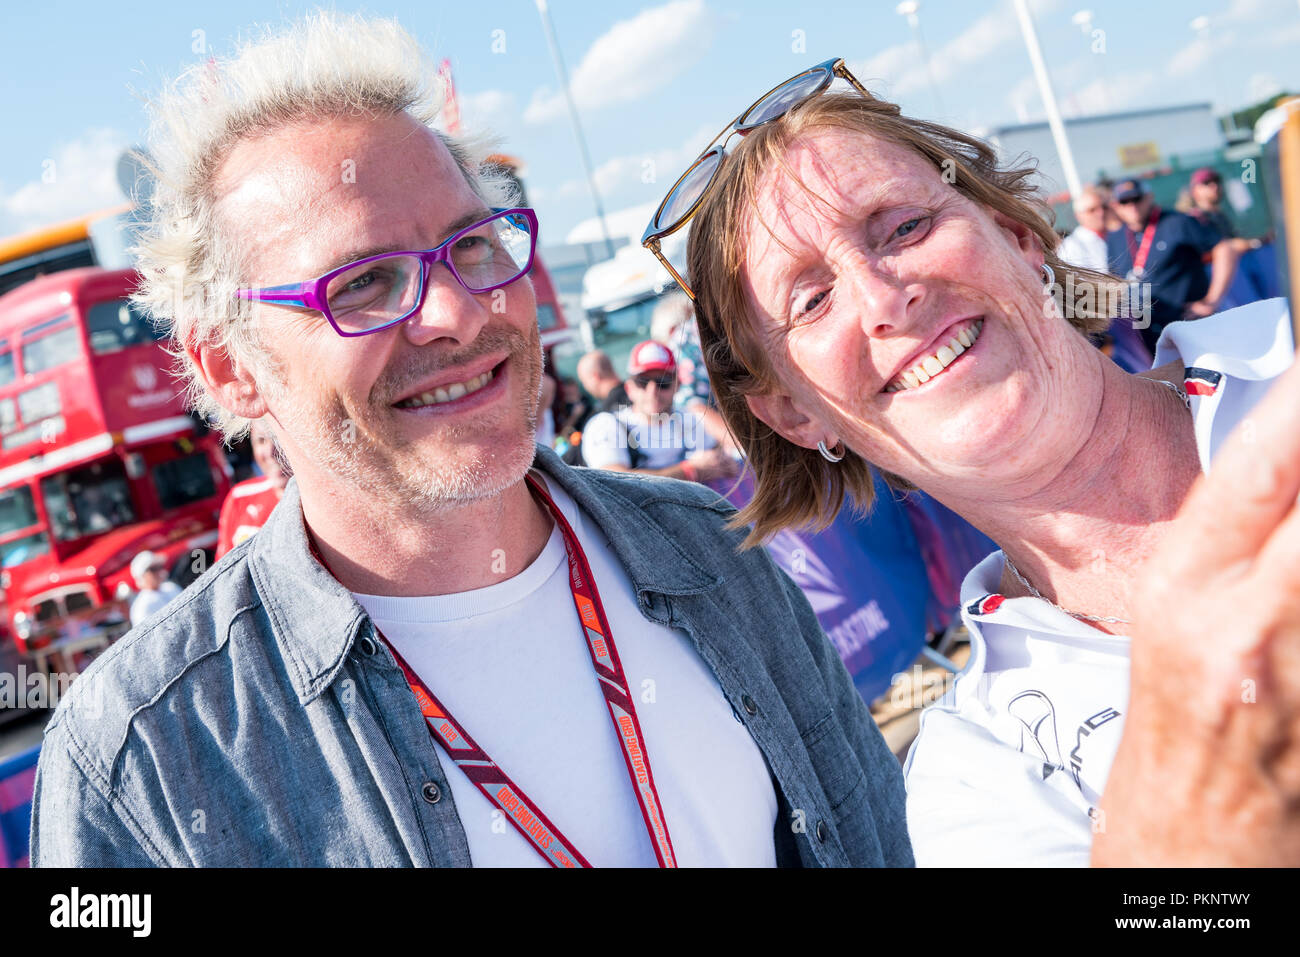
(683, 200)
(663, 382)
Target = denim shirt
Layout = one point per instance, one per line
(256, 721)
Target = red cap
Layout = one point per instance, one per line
(1205, 175)
(650, 356)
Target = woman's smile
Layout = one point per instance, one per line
(949, 346)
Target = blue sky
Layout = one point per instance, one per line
(653, 81)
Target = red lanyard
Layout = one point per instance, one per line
(1139, 255)
(496, 785)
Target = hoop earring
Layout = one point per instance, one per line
(1049, 275)
(827, 454)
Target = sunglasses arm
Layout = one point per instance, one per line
(653, 246)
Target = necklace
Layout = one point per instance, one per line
(1073, 614)
(1183, 398)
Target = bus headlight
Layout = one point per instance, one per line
(22, 625)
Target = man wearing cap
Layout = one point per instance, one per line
(650, 436)
(150, 573)
(1165, 250)
(1205, 196)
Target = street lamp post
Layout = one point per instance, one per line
(1072, 180)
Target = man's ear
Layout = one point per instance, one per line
(229, 381)
(779, 411)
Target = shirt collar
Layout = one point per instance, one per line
(315, 619)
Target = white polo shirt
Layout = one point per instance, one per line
(663, 440)
(1008, 767)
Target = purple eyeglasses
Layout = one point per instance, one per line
(380, 291)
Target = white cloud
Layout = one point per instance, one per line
(1262, 86)
(900, 71)
(650, 173)
(1107, 94)
(628, 222)
(1194, 56)
(881, 72)
(79, 177)
(492, 111)
(632, 59)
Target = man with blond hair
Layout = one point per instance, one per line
(445, 647)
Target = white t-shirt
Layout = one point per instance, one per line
(1084, 248)
(511, 665)
(1008, 767)
(664, 440)
(150, 600)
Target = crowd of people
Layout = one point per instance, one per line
(1182, 260)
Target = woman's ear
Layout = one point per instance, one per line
(1026, 240)
(780, 412)
(229, 381)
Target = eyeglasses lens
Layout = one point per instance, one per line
(492, 253)
(783, 98)
(485, 256)
(373, 293)
(687, 191)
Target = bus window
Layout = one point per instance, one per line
(184, 480)
(18, 511)
(91, 499)
(40, 402)
(48, 350)
(8, 416)
(7, 372)
(115, 325)
(23, 549)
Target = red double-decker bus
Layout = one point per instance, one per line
(98, 458)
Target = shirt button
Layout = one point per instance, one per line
(750, 707)
(367, 645)
(821, 832)
(431, 792)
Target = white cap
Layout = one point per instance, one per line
(143, 562)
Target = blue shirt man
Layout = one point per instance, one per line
(1162, 248)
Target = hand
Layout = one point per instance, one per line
(1200, 309)
(712, 464)
(1208, 771)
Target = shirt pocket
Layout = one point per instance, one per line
(836, 765)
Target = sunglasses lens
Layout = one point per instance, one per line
(687, 192)
(783, 98)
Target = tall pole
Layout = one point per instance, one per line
(563, 76)
(1072, 181)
